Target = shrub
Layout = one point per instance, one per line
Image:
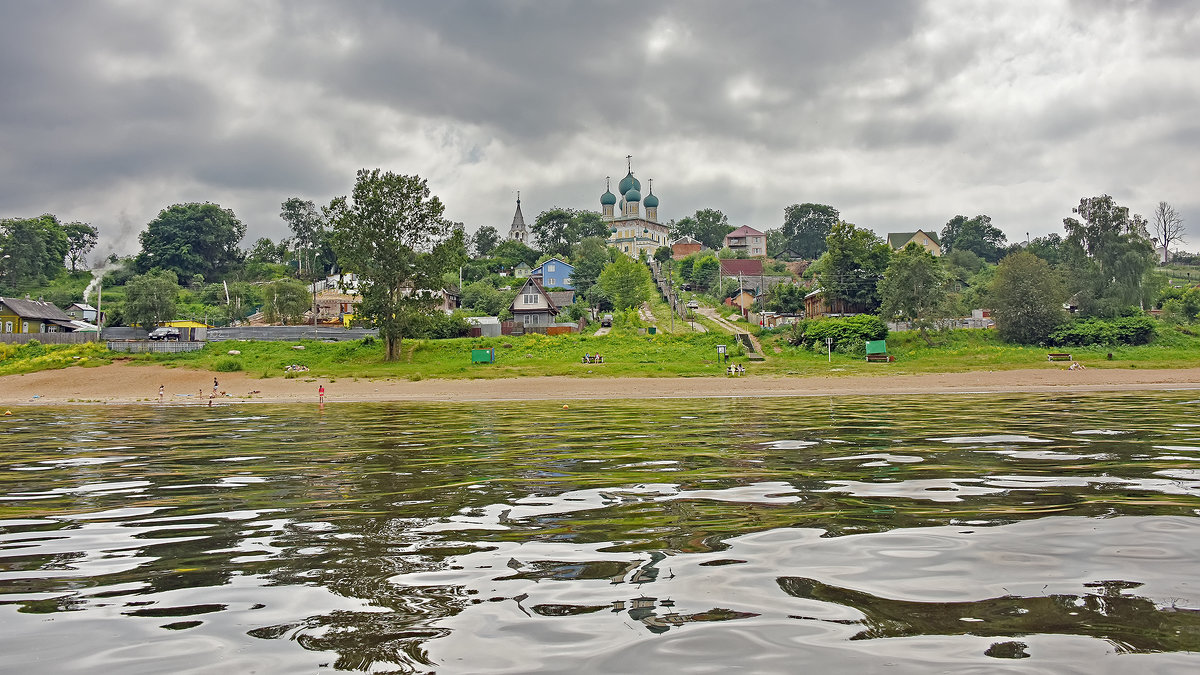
(227, 365)
(1127, 330)
(849, 334)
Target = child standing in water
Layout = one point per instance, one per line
(321, 393)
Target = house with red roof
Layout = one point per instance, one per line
(747, 239)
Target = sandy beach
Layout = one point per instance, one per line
(124, 383)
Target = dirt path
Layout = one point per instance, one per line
(730, 327)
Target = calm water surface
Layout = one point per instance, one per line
(1013, 533)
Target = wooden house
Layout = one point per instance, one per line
(898, 240)
(554, 273)
(816, 306)
(33, 316)
(533, 306)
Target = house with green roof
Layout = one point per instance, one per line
(898, 240)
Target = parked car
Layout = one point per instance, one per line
(164, 333)
(606, 320)
(693, 305)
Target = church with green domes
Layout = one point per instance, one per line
(630, 231)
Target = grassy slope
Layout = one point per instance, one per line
(626, 353)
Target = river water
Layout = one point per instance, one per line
(907, 534)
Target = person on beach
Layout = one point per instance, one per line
(321, 393)
(160, 393)
(215, 386)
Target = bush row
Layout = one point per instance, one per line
(1127, 330)
(849, 334)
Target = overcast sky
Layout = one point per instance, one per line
(900, 114)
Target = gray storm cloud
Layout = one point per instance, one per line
(900, 114)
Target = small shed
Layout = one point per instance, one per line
(189, 331)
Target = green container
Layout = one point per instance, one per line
(483, 356)
(653, 329)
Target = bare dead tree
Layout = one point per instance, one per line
(1168, 227)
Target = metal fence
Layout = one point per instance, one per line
(154, 346)
(49, 338)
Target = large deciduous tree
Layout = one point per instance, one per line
(913, 288)
(32, 250)
(391, 233)
(150, 299)
(307, 225)
(286, 301)
(486, 240)
(707, 226)
(976, 235)
(805, 227)
(556, 230)
(1110, 257)
(852, 265)
(81, 239)
(1026, 298)
(589, 257)
(191, 239)
(626, 282)
(1167, 227)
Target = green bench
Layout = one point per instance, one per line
(877, 352)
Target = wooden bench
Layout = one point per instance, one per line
(736, 369)
(880, 358)
(588, 358)
(1057, 356)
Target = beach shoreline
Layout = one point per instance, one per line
(138, 384)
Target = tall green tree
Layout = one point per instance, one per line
(266, 251)
(286, 301)
(307, 224)
(191, 239)
(806, 226)
(705, 272)
(1048, 248)
(913, 288)
(150, 299)
(32, 251)
(511, 253)
(626, 282)
(852, 265)
(391, 233)
(486, 240)
(81, 239)
(1110, 256)
(707, 226)
(556, 230)
(1026, 298)
(590, 257)
(976, 235)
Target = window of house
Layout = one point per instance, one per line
(7, 326)
(529, 299)
(550, 281)
(24, 326)
(549, 268)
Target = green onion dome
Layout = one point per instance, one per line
(607, 198)
(633, 195)
(651, 201)
(629, 183)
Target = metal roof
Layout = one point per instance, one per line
(35, 309)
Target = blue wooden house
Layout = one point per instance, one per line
(554, 273)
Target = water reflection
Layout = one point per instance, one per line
(624, 538)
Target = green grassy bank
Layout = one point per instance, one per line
(626, 352)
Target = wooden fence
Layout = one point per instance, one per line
(49, 338)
